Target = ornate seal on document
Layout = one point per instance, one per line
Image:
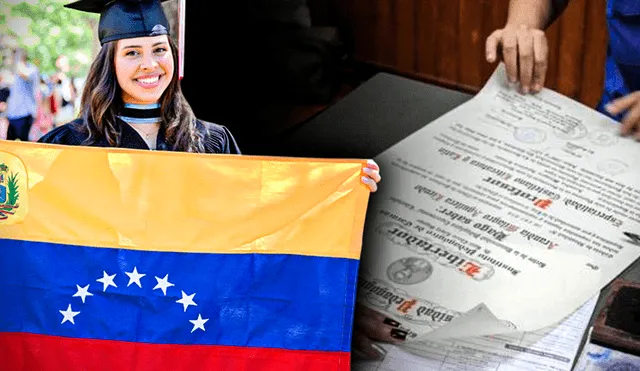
(572, 129)
(613, 167)
(530, 135)
(409, 271)
(603, 138)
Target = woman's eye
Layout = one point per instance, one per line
(131, 53)
(161, 50)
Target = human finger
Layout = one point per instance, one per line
(379, 327)
(525, 58)
(491, 45)
(373, 174)
(369, 183)
(631, 121)
(617, 106)
(541, 59)
(372, 165)
(622, 104)
(510, 55)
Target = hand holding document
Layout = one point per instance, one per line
(504, 215)
(549, 349)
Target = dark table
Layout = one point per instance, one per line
(378, 114)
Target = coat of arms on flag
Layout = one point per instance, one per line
(12, 184)
(224, 263)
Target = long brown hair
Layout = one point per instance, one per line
(102, 99)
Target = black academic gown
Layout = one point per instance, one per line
(217, 139)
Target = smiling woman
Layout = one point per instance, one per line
(132, 96)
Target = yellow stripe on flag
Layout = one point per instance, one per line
(168, 201)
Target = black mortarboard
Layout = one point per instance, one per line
(123, 19)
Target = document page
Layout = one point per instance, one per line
(504, 215)
(549, 349)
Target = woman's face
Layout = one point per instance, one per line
(144, 68)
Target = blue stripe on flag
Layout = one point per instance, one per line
(260, 300)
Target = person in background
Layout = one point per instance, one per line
(73, 95)
(522, 45)
(43, 122)
(22, 104)
(64, 92)
(4, 96)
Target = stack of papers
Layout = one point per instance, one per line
(552, 348)
(503, 217)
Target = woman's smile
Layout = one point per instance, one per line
(149, 81)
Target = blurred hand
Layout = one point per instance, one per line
(372, 175)
(370, 326)
(525, 53)
(631, 105)
(3, 106)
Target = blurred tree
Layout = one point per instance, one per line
(45, 29)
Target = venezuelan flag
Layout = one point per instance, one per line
(113, 259)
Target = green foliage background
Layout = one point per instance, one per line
(52, 30)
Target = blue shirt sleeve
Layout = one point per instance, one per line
(34, 79)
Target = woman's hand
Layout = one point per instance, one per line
(372, 175)
(370, 326)
(631, 105)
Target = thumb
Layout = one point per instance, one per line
(491, 45)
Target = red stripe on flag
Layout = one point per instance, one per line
(23, 351)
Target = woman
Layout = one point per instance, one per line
(132, 96)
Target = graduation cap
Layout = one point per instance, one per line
(123, 19)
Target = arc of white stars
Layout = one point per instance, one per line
(82, 292)
(107, 280)
(163, 284)
(187, 300)
(134, 277)
(198, 323)
(68, 315)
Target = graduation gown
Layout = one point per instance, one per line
(217, 139)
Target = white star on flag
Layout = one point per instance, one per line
(107, 280)
(163, 284)
(198, 323)
(83, 292)
(68, 315)
(134, 277)
(187, 300)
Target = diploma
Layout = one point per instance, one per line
(505, 214)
